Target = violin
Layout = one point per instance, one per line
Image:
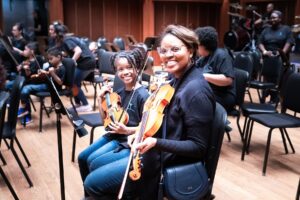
(151, 121)
(113, 110)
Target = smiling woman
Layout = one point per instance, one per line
(187, 123)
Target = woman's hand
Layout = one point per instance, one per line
(130, 139)
(144, 146)
(118, 128)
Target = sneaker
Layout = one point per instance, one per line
(22, 112)
(27, 120)
(76, 106)
(84, 108)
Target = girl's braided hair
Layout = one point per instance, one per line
(134, 57)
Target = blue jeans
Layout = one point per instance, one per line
(31, 88)
(99, 147)
(80, 75)
(97, 159)
(105, 181)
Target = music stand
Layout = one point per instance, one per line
(151, 43)
(78, 127)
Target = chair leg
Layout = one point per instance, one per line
(11, 189)
(244, 127)
(95, 95)
(239, 126)
(23, 152)
(283, 141)
(33, 106)
(74, 146)
(41, 114)
(289, 140)
(92, 135)
(83, 83)
(228, 136)
(249, 137)
(298, 191)
(2, 159)
(249, 94)
(6, 143)
(246, 135)
(267, 152)
(20, 164)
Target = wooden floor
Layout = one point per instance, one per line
(234, 179)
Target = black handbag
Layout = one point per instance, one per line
(182, 182)
(185, 182)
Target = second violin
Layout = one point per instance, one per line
(113, 110)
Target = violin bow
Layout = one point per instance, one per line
(121, 191)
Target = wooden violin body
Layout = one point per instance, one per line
(151, 121)
(113, 109)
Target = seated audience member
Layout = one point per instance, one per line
(217, 66)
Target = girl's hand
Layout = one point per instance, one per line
(118, 128)
(144, 146)
(104, 90)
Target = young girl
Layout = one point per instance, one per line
(56, 71)
(109, 151)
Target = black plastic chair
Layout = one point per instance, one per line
(214, 145)
(101, 42)
(282, 121)
(3, 99)
(68, 83)
(241, 79)
(258, 108)
(119, 42)
(244, 61)
(272, 67)
(9, 127)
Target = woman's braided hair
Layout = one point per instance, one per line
(134, 57)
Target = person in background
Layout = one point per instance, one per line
(217, 66)
(18, 41)
(2, 76)
(28, 69)
(84, 60)
(276, 42)
(111, 150)
(264, 20)
(38, 82)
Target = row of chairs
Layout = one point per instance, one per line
(263, 113)
(8, 130)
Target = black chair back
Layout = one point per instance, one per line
(256, 58)
(272, 67)
(244, 61)
(119, 42)
(70, 71)
(3, 99)
(14, 105)
(101, 42)
(215, 142)
(241, 78)
(104, 62)
(291, 98)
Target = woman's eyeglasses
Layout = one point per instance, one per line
(173, 50)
